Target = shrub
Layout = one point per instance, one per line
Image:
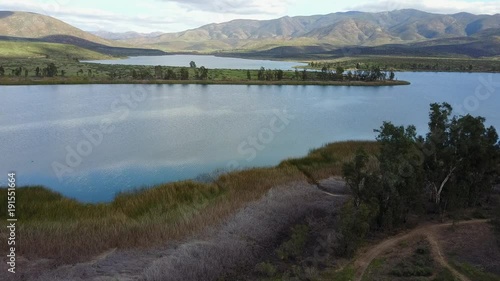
(354, 226)
(420, 264)
(266, 269)
(294, 247)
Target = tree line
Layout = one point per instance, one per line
(453, 167)
(160, 72)
(49, 71)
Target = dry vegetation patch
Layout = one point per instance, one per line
(408, 260)
(475, 245)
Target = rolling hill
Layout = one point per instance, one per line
(485, 44)
(401, 32)
(32, 27)
(32, 50)
(337, 29)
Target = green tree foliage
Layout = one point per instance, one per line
(158, 72)
(170, 75)
(249, 76)
(455, 165)
(461, 155)
(17, 71)
(192, 64)
(261, 75)
(279, 74)
(340, 72)
(355, 174)
(354, 226)
(51, 70)
(184, 73)
(2, 71)
(203, 73)
(324, 73)
(400, 177)
(270, 75)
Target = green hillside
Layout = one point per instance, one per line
(13, 49)
(32, 27)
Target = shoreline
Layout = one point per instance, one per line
(139, 190)
(6, 82)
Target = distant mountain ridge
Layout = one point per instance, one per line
(340, 29)
(124, 35)
(400, 31)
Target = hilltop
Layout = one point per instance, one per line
(404, 33)
(36, 28)
(328, 32)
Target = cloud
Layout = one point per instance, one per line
(432, 6)
(237, 7)
(179, 15)
(91, 19)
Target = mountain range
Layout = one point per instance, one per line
(400, 31)
(32, 27)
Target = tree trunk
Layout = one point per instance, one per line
(443, 183)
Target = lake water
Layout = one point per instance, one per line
(90, 141)
(202, 60)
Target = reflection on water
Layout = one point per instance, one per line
(91, 141)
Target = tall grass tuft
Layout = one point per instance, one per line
(328, 160)
(68, 231)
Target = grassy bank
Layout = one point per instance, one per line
(14, 50)
(77, 81)
(401, 63)
(59, 228)
(17, 71)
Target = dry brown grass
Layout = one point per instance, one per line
(67, 231)
(472, 244)
(328, 160)
(241, 242)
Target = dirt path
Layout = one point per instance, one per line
(428, 231)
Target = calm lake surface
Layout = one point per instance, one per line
(91, 141)
(201, 60)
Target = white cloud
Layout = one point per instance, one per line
(432, 6)
(179, 15)
(91, 19)
(236, 7)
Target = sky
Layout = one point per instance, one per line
(178, 15)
